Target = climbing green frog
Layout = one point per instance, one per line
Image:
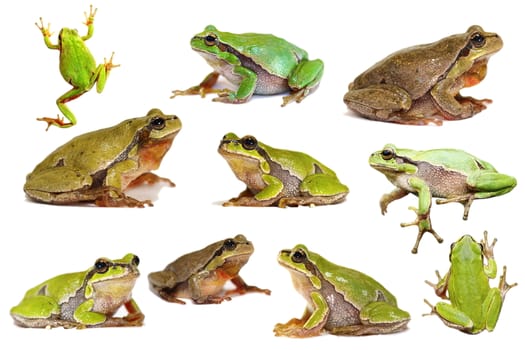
(278, 177)
(260, 64)
(77, 66)
(340, 300)
(421, 84)
(201, 275)
(449, 174)
(98, 166)
(83, 299)
(473, 305)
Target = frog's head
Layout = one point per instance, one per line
(244, 153)
(208, 41)
(231, 254)
(464, 250)
(392, 161)
(301, 263)
(160, 126)
(480, 44)
(112, 278)
(66, 35)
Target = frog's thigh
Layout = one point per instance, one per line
(378, 101)
(48, 184)
(490, 184)
(37, 307)
(322, 185)
(306, 74)
(384, 313)
(453, 317)
(491, 308)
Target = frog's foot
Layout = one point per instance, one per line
(503, 286)
(472, 105)
(296, 96)
(247, 199)
(295, 329)
(108, 64)
(113, 197)
(149, 179)
(439, 288)
(408, 119)
(488, 250)
(423, 223)
(131, 320)
(46, 31)
(58, 121)
(211, 299)
(90, 18)
(432, 308)
(242, 288)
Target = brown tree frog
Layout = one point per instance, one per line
(98, 166)
(279, 177)
(421, 84)
(202, 274)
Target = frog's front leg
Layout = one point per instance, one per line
(305, 77)
(204, 88)
(90, 20)
(423, 212)
(245, 89)
(388, 198)
(46, 33)
(242, 287)
(310, 324)
(452, 104)
(269, 195)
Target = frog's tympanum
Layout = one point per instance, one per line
(472, 304)
(98, 166)
(83, 299)
(421, 84)
(340, 300)
(278, 177)
(201, 275)
(260, 64)
(449, 174)
(77, 66)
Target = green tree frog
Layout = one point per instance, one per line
(98, 166)
(83, 299)
(77, 67)
(260, 64)
(451, 175)
(202, 274)
(421, 84)
(340, 300)
(473, 305)
(278, 177)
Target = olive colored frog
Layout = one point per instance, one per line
(98, 166)
(260, 64)
(83, 299)
(451, 175)
(340, 300)
(278, 177)
(473, 305)
(201, 275)
(421, 84)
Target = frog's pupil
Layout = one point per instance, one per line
(229, 244)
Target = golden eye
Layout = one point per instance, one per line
(387, 154)
(298, 256)
(477, 40)
(101, 266)
(210, 39)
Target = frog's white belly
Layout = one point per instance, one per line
(266, 84)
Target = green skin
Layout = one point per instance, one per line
(77, 66)
(260, 64)
(98, 166)
(340, 300)
(201, 275)
(449, 174)
(421, 84)
(83, 299)
(473, 305)
(279, 177)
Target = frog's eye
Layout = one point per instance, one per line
(135, 261)
(210, 39)
(477, 40)
(101, 265)
(387, 154)
(229, 244)
(298, 256)
(157, 123)
(249, 143)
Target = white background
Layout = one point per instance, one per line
(151, 42)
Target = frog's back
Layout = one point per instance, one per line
(301, 164)
(454, 159)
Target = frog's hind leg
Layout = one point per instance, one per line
(61, 104)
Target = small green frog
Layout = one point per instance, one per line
(260, 64)
(278, 177)
(340, 300)
(450, 174)
(77, 66)
(421, 84)
(98, 166)
(474, 305)
(201, 275)
(83, 299)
